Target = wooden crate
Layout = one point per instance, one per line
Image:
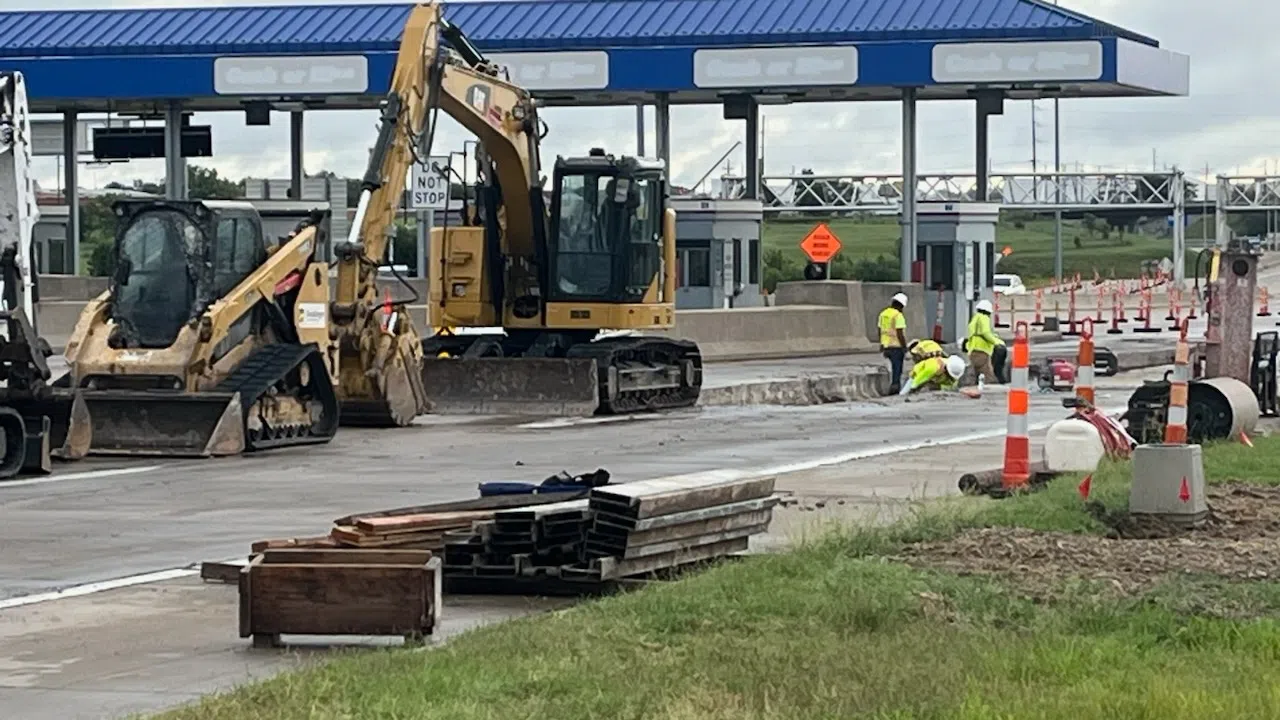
(339, 592)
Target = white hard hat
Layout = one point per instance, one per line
(955, 366)
(984, 306)
(901, 299)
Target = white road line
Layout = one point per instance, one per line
(87, 475)
(842, 458)
(726, 474)
(576, 421)
(97, 587)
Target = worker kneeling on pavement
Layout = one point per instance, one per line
(935, 373)
(982, 342)
(921, 350)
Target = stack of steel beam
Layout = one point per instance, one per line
(642, 527)
(617, 532)
(525, 541)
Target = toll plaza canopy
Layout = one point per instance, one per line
(588, 52)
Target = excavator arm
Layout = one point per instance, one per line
(467, 88)
(380, 380)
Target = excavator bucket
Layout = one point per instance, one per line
(512, 386)
(165, 424)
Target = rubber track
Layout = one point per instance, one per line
(269, 365)
(613, 351)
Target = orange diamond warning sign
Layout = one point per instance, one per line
(820, 244)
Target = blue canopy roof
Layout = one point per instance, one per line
(538, 25)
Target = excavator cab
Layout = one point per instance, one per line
(605, 229)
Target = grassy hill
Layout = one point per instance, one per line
(867, 238)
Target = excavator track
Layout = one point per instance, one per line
(282, 364)
(640, 373)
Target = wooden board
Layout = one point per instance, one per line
(323, 541)
(419, 522)
(493, 502)
(350, 536)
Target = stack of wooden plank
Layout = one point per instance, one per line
(417, 531)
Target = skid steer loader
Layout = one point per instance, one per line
(213, 340)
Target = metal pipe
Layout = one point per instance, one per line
(71, 152)
(295, 154)
(753, 150)
(908, 247)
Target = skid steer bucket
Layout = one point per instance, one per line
(165, 424)
(512, 386)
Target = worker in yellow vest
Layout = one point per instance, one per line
(893, 338)
(935, 373)
(921, 350)
(982, 342)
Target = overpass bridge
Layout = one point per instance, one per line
(1165, 193)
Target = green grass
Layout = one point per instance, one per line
(835, 630)
(1032, 245)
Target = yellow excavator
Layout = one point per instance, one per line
(572, 287)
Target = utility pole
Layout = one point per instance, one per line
(1057, 191)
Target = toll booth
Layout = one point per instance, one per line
(718, 255)
(956, 243)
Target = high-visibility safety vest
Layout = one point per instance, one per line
(981, 337)
(925, 349)
(932, 370)
(891, 319)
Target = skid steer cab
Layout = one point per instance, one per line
(209, 340)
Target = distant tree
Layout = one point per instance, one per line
(206, 184)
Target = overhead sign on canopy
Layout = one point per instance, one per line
(801, 66)
(291, 75)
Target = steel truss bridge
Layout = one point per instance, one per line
(1158, 193)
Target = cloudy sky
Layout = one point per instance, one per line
(1230, 123)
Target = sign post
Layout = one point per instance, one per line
(430, 192)
(820, 245)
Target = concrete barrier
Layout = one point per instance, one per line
(769, 332)
(862, 384)
(71, 287)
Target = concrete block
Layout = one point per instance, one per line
(57, 318)
(71, 287)
(1159, 473)
(769, 332)
(876, 296)
(863, 384)
(864, 301)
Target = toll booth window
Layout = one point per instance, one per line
(737, 263)
(753, 267)
(699, 267)
(942, 267)
(990, 269)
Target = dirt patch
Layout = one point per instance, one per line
(1240, 541)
